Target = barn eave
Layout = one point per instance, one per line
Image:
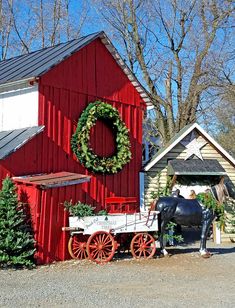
(12, 140)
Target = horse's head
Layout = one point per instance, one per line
(220, 192)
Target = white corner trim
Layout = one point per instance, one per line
(142, 206)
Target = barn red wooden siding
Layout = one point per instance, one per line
(64, 92)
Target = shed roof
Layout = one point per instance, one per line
(195, 167)
(53, 180)
(37, 63)
(12, 140)
(179, 137)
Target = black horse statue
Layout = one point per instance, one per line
(188, 213)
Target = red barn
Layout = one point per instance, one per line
(42, 95)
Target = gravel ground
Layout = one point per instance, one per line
(182, 280)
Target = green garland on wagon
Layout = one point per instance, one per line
(80, 141)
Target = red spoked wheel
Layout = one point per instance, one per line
(101, 247)
(143, 246)
(77, 246)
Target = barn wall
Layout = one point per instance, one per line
(157, 175)
(19, 108)
(47, 216)
(65, 91)
(26, 160)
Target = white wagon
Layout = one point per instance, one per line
(98, 237)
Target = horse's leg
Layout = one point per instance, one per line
(207, 218)
(161, 238)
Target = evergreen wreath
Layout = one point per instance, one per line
(80, 141)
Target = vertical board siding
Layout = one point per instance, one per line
(99, 77)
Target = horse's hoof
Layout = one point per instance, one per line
(164, 256)
(206, 255)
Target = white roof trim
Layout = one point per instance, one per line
(191, 128)
(216, 144)
(143, 93)
(4, 87)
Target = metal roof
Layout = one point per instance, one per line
(12, 140)
(53, 180)
(37, 63)
(195, 167)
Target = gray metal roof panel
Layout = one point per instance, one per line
(195, 167)
(38, 62)
(11, 141)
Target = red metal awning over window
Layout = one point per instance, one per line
(51, 180)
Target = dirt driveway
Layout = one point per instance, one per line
(182, 280)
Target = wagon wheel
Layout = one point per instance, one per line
(143, 246)
(101, 247)
(77, 246)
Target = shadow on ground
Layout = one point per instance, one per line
(191, 238)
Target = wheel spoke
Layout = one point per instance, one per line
(107, 240)
(141, 252)
(148, 252)
(150, 241)
(104, 255)
(103, 238)
(76, 250)
(95, 253)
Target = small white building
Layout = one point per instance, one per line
(191, 160)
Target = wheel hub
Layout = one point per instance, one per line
(100, 247)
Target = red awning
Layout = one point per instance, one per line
(52, 180)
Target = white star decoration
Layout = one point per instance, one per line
(193, 146)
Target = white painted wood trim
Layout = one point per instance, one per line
(191, 128)
(215, 143)
(142, 205)
(19, 108)
(14, 85)
(171, 146)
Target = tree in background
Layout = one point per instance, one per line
(179, 49)
(33, 24)
(16, 242)
(225, 114)
(182, 51)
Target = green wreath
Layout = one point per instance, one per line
(80, 141)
